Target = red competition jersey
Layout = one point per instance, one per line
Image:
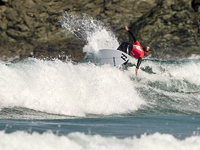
(137, 50)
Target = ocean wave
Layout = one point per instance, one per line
(83, 89)
(64, 88)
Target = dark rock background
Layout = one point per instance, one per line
(31, 27)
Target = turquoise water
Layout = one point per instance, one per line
(120, 127)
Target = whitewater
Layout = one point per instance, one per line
(51, 104)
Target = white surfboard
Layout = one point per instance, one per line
(112, 57)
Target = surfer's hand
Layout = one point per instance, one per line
(126, 28)
(136, 71)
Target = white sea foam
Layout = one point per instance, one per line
(78, 90)
(78, 141)
(64, 88)
(176, 83)
(194, 56)
(182, 71)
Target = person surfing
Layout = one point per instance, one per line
(135, 50)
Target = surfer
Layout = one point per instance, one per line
(135, 49)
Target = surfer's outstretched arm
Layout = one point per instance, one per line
(131, 33)
(139, 62)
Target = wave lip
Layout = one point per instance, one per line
(92, 31)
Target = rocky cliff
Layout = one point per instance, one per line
(31, 27)
(171, 28)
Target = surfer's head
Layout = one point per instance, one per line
(147, 50)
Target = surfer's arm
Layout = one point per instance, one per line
(139, 62)
(138, 65)
(131, 33)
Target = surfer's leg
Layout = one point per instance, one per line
(129, 48)
(123, 47)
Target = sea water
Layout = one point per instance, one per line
(65, 105)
